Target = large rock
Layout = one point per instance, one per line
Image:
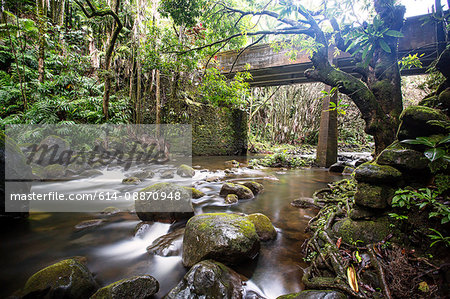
(313, 294)
(373, 196)
(52, 150)
(208, 279)
(241, 191)
(17, 169)
(176, 206)
(378, 174)
(263, 225)
(415, 122)
(367, 231)
(185, 171)
(403, 158)
(137, 287)
(228, 238)
(66, 279)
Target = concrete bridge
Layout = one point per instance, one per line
(271, 68)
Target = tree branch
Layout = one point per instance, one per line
(262, 32)
(243, 50)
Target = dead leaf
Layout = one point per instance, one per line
(338, 243)
(423, 287)
(352, 281)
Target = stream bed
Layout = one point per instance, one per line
(113, 252)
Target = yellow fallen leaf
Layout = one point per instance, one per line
(352, 281)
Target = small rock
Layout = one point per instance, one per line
(168, 174)
(131, 181)
(212, 179)
(241, 191)
(185, 171)
(231, 199)
(88, 224)
(195, 193)
(337, 167)
(142, 175)
(254, 186)
(168, 245)
(110, 211)
(232, 163)
(136, 287)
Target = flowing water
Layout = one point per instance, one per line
(113, 251)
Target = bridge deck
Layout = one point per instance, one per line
(270, 68)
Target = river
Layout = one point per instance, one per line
(114, 253)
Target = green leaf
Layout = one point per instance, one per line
(394, 33)
(384, 46)
(434, 154)
(444, 140)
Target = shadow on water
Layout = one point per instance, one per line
(113, 252)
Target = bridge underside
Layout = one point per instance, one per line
(274, 68)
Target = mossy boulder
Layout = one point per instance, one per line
(132, 180)
(136, 287)
(373, 196)
(54, 171)
(195, 192)
(185, 171)
(53, 150)
(164, 202)
(13, 166)
(263, 225)
(375, 173)
(444, 101)
(254, 186)
(359, 212)
(402, 158)
(227, 238)
(209, 279)
(367, 231)
(66, 279)
(314, 294)
(415, 122)
(231, 199)
(241, 191)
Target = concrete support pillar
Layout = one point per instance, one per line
(326, 154)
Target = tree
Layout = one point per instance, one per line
(95, 12)
(377, 90)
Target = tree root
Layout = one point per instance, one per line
(380, 271)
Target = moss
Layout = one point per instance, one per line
(367, 231)
(195, 192)
(404, 159)
(415, 122)
(68, 279)
(185, 171)
(373, 196)
(228, 238)
(254, 186)
(263, 226)
(314, 294)
(231, 199)
(133, 287)
(241, 191)
(372, 172)
(54, 171)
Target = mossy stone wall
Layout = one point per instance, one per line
(217, 131)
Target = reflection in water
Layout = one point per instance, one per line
(113, 252)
